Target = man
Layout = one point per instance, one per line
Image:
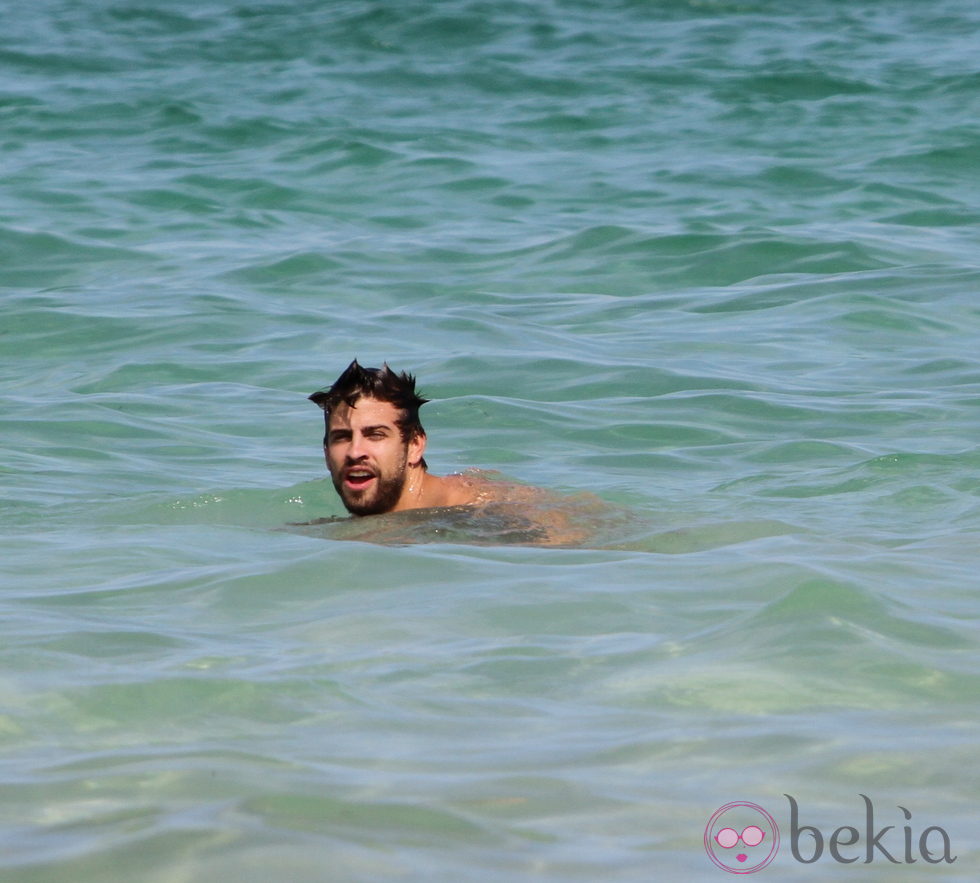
(374, 446)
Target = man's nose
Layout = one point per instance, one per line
(356, 450)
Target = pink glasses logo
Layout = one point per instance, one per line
(741, 838)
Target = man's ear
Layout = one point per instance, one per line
(416, 448)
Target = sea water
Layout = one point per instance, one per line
(714, 262)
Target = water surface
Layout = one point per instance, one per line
(713, 263)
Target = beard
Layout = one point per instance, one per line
(379, 499)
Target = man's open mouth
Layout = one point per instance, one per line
(358, 479)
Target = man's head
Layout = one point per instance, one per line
(373, 436)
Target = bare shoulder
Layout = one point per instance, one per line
(470, 487)
(487, 486)
(561, 519)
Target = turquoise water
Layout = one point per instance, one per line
(713, 262)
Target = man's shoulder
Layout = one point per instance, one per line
(471, 486)
(559, 519)
(489, 486)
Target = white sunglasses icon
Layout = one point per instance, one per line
(728, 838)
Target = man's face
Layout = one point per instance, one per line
(366, 456)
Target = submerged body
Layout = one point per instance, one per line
(497, 512)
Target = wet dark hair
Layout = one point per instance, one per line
(382, 384)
